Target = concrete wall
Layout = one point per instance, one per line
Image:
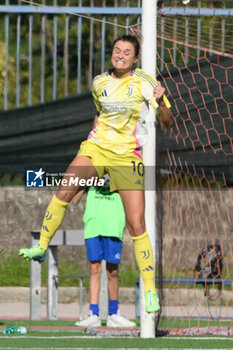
(22, 210)
(191, 220)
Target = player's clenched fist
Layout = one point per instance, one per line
(158, 92)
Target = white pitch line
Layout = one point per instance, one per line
(96, 337)
(49, 337)
(218, 337)
(10, 348)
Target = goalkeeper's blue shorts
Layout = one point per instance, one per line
(104, 248)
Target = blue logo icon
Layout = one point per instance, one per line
(35, 178)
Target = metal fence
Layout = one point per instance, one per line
(51, 49)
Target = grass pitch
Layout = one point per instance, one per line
(57, 335)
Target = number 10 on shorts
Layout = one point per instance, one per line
(138, 168)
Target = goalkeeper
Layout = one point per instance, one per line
(123, 96)
(104, 222)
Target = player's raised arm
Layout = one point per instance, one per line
(164, 114)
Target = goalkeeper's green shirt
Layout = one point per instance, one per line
(104, 214)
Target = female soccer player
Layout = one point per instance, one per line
(122, 96)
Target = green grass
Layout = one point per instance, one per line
(128, 276)
(78, 339)
(15, 271)
(12, 179)
(164, 323)
(65, 340)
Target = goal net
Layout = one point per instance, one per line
(194, 172)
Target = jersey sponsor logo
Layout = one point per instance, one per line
(35, 178)
(104, 93)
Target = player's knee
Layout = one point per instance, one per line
(136, 228)
(65, 196)
(113, 274)
(95, 269)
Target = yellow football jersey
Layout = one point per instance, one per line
(123, 106)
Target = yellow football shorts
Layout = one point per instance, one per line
(126, 172)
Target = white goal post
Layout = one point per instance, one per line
(148, 51)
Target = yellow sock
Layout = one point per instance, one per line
(145, 260)
(52, 220)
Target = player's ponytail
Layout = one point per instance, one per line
(136, 32)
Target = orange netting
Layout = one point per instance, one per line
(195, 161)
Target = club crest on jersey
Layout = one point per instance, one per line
(104, 93)
(130, 89)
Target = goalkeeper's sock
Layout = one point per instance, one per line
(52, 221)
(145, 260)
